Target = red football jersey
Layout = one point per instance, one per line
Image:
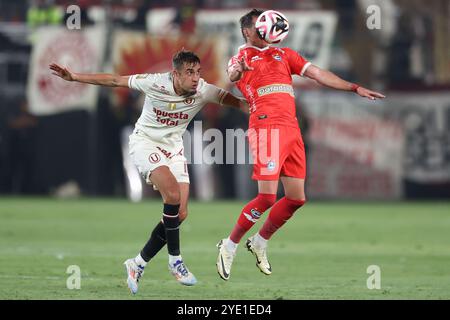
(268, 88)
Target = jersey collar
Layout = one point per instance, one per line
(171, 86)
(245, 46)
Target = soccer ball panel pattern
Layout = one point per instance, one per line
(272, 26)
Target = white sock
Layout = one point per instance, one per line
(230, 245)
(140, 261)
(260, 241)
(173, 259)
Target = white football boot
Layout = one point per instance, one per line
(182, 274)
(134, 273)
(224, 260)
(260, 254)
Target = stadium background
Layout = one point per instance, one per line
(68, 141)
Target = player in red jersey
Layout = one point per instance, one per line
(264, 76)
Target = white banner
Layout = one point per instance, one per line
(81, 51)
(311, 33)
(138, 52)
(426, 122)
(356, 146)
(363, 149)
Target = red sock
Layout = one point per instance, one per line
(281, 212)
(250, 214)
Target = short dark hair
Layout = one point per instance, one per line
(184, 56)
(246, 20)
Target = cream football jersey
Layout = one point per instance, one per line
(166, 115)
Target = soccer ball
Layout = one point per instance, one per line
(272, 26)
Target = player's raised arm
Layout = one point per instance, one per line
(102, 79)
(220, 96)
(236, 68)
(329, 79)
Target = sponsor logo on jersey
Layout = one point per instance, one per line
(161, 88)
(169, 118)
(251, 99)
(172, 115)
(277, 57)
(275, 88)
(168, 154)
(255, 58)
(172, 106)
(189, 101)
(154, 158)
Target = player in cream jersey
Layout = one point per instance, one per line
(164, 119)
(156, 147)
(166, 115)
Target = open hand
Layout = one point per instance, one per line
(236, 70)
(62, 72)
(243, 66)
(372, 95)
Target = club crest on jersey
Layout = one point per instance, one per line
(277, 57)
(271, 165)
(154, 158)
(189, 101)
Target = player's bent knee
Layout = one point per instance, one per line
(267, 200)
(296, 196)
(182, 215)
(295, 204)
(172, 196)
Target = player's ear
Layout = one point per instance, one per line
(246, 33)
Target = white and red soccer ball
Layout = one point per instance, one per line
(272, 26)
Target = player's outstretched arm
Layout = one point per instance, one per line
(329, 79)
(102, 79)
(233, 101)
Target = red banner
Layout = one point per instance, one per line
(138, 52)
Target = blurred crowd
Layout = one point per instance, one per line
(399, 53)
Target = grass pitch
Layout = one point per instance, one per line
(323, 252)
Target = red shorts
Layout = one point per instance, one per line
(277, 151)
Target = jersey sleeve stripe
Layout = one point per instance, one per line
(306, 66)
(130, 80)
(222, 94)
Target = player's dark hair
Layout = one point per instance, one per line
(183, 56)
(246, 20)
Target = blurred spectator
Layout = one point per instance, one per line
(234, 179)
(7, 44)
(184, 19)
(346, 9)
(410, 58)
(44, 12)
(13, 11)
(17, 149)
(140, 21)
